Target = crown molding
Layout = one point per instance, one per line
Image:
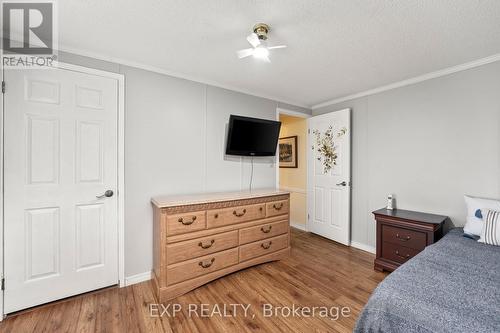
(399, 84)
(293, 113)
(417, 79)
(125, 62)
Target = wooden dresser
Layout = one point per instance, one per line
(402, 234)
(199, 238)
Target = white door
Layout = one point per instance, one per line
(329, 175)
(60, 153)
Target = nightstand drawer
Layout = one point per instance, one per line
(404, 237)
(397, 253)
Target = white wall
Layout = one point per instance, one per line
(428, 143)
(175, 133)
(230, 172)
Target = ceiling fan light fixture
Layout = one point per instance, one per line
(260, 52)
(258, 40)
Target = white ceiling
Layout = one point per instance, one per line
(335, 47)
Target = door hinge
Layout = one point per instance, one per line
(3, 87)
(3, 283)
(308, 131)
(308, 216)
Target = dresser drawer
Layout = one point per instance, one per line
(198, 247)
(277, 208)
(263, 247)
(400, 236)
(263, 231)
(186, 222)
(397, 253)
(195, 267)
(220, 217)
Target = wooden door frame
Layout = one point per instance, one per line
(120, 78)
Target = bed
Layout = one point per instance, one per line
(451, 286)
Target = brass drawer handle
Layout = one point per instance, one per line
(181, 220)
(206, 246)
(216, 215)
(266, 231)
(402, 257)
(404, 239)
(239, 214)
(278, 207)
(266, 246)
(206, 265)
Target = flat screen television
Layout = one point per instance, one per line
(252, 136)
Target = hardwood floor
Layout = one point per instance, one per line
(319, 273)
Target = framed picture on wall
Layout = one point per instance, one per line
(288, 152)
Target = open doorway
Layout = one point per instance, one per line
(320, 190)
(293, 165)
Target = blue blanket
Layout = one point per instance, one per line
(451, 286)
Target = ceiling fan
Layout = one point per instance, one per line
(258, 40)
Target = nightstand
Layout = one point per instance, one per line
(402, 234)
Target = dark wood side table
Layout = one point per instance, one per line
(402, 234)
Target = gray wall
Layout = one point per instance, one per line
(175, 134)
(429, 144)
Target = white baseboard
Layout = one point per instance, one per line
(141, 277)
(364, 247)
(137, 278)
(299, 226)
(356, 245)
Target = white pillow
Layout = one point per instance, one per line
(474, 225)
(491, 231)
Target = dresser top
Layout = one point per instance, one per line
(411, 215)
(191, 199)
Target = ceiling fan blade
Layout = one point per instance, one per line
(244, 53)
(277, 47)
(253, 39)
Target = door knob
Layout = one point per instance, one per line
(106, 194)
(342, 184)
